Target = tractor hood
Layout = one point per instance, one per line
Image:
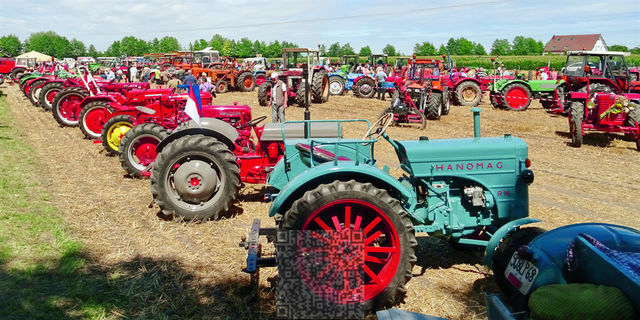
(462, 156)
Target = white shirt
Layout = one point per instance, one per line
(273, 93)
(544, 76)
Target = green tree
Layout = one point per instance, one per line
(49, 43)
(244, 48)
(167, 44)
(615, 47)
(113, 50)
(365, 51)
(92, 52)
(465, 47)
(259, 47)
(217, 42)
(132, 46)
(334, 50)
(323, 50)
(479, 50)
(77, 48)
(154, 45)
(452, 46)
(501, 47)
(200, 44)
(389, 50)
(442, 49)
(227, 48)
(347, 49)
(635, 50)
(11, 45)
(523, 46)
(425, 49)
(274, 49)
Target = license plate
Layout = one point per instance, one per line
(521, 273)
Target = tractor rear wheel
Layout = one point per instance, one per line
(34, 91)
(66, 106)
(113, 131)
(300, 94)
(468, 94)
(365, 87)
(320, 86)
(336, 86)
(516, 97)
(389, 241)
(433, 109)
(264, 93)
(48, 92)
(137, 148)
(446, 103)
(221, 86)
(92, 118)
(505, 251)
(496, 100)
(16, 73)
(246, 82)
(195, 178)
(576, 115)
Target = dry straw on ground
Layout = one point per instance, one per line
(195, 268)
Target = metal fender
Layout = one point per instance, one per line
(500, 234)
(209, 127)
(461, 80)
(336, 75)
(324, 173)
(105, 98)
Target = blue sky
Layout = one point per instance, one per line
(307, 23)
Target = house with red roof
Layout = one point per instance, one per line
(573, 42)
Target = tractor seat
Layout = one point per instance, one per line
(273, 131)
(319, 155)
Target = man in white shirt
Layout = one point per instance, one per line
(278, 98)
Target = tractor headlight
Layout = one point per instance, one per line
(527, 176)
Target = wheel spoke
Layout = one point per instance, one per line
(379, 249)
(336, 223)
(322, 225)
(347, 217)
(356, 226)
(372, 238)
(373, 259)
(371, 225)
(372, 275)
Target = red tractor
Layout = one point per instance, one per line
(426, 84)
(301, 67)
(602, 96)
(403, 108)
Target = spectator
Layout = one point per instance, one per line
(190, 79)
(174, 82)
(133, 73)
(145, 74)
(553, 75)
(110, 76)
(203, 77)
(380, 79)
(278, 98)
(205, 85)
(119, 76)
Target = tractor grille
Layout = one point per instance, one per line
(603, 104)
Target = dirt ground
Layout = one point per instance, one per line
(115, 217)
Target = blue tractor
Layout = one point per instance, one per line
(452, 188)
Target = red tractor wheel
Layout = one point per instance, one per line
(516, 97)
(246, 82)
(195, 177)
(389, 241)
(48, 92)
(92, 118)
(364, 88)
(113, 131)
(221, 86)
(66, 106)
(260, 79)
(264, 94)
(138, 148)
(468, 94)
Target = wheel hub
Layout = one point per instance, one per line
(335, 87)
(468, 94)
(195, 181)
(365, 88)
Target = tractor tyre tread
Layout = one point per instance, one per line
(44, 92)
(56, 101)
(460, 90)
(433, 111)
(81, 118)
(152, 129)
(263, 93)
(105, 130)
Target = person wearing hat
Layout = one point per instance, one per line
(190, 79)
(278, 98)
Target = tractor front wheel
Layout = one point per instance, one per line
(48, 92)
(333, 210)
(221, 86)
(576, 114)
(246, 82)
(264, 93)
(34, 91)
(336, 86)
(92, 118)
(113, 131)
(195, 178)
(300, 94)
(66, 106)
(468, 94)
(138, 148)
(433, 108)
(320, 86)
(516, 97)
(364, 88)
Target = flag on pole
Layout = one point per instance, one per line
(193, 104)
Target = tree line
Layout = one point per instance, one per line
(50, 43)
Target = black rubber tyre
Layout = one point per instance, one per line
(336, 86)
(140, 136)
(327, 194)
(468, 94)
(496, 100)
(433, 109)
(320, 86)
(300, 94)
(562, 97)
(221, 86)
(34, 92)
(79, 93)
(16, 72)
(243, 82)
(264, 93)
(503, 253)
(44, 93)
(576, 114)
(446, 102)
(364, 88)
(82, 118)
(113, 131)
(183, 153)
(520, 87)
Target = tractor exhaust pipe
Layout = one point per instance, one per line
(476, 122)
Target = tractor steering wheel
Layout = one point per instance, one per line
(253, 122)
(379, 127)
